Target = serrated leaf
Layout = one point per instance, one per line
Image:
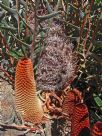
(6, 2)
(15, 54)
(51, 15)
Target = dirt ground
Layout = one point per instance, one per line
(6, 109)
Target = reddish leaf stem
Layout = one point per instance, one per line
(7, 74)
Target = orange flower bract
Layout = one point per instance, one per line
(80, 121)
(72, 98)
(97, 129)
(27, 102)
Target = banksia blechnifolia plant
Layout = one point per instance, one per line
(80, 121)
(27, 102)
(97, 129)
(56, 66)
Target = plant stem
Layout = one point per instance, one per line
(8, 28)
(26, 18)
(17, 7)
(7, 74)
(43, 18)
(19, 41)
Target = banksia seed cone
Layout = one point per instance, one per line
(80, 121)
(72, 98)
(56, 66)
(97, 129)
(27, 102)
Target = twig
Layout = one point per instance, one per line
(20, 128)
(13, 126)
(26, 16)
(51, 15)
(86, 17)
(4, 42)
(50, 106)
(39, 95)
(73, 6)
(63, 5)
(8, 28)
(83, 24)
(58, 98)
(92, 2)
(7, 74)
(86, 38)
(88, 51)
(34, 30)
(25, 23)
(19, 41)
(76, 27)
(93, 38)
(17, 7)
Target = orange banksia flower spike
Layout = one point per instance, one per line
(72, 98)
(97, 129)
(27, 102)
(80, 121)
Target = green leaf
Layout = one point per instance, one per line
(12, 53)
(98, 1)
(98, 100)
(16, 54)
(10, 10)
(48, 6)
(51, 15)
(6, 2)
